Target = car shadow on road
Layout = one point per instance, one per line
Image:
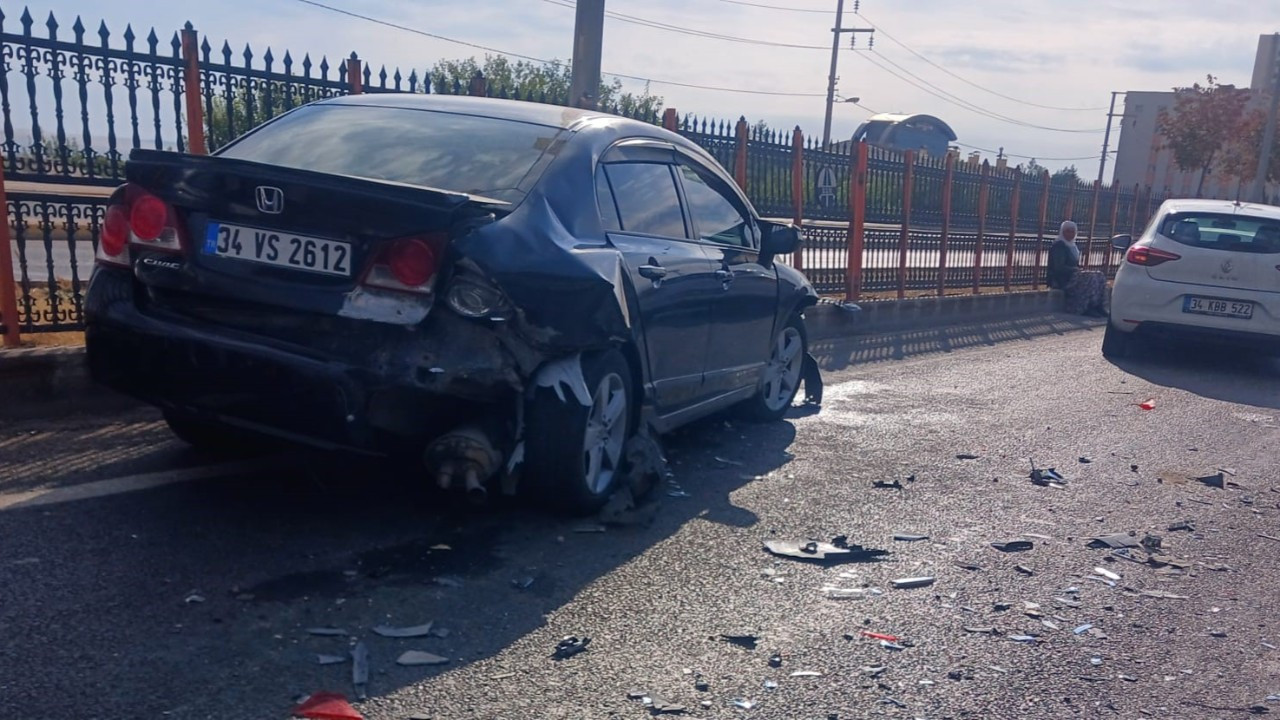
(1218, 373)
(197, 582)
(840, 353)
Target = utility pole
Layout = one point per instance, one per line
(588, 37)
(1106, 138)
(835, 56)
(1258, 193)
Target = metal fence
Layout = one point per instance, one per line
(74, 104)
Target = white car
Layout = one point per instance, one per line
(1203, 269)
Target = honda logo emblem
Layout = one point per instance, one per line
(270, 200)
(1228, 266)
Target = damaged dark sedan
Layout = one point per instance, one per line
(504, 290)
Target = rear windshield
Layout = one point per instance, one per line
(1223, 231)
(485, 156)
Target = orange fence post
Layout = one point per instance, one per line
(983, 190)
(1013, 231)
(669, 119)
(1044, 216)
(947, 178)
(857, 215)
(191, 88)
(908, 184)
(355, 81)
(1087, 257)
(8, 291)
(797, 190)
(740, 155)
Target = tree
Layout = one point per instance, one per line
(1066, 176)
(1205, 121)
(1033, 168)
(529, 79)
(1239, 158)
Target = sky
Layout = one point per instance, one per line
(986, 68)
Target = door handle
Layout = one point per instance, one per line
(653, 272)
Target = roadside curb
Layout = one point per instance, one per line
(830, 320)
(49, 382)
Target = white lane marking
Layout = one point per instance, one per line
(131, 483)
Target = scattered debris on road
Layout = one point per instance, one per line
(837, 551)
(1009, 546)
(412, 658)
(404, 632)
(1114, 541)
(966, 456)
(569, 646)
(904, 537)
(360, 670)
(893, 484)
(330, 659)
(1106, 573)
(914, 582)
(326, 706)
(742, 640)
(326, 631)
(839, 593)
(1148, 404)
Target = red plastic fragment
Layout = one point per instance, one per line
(1148, 405)
(879, 636)
(327, 706)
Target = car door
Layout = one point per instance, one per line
(743, 315)
(674, 281)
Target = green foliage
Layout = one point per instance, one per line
(1206, 120)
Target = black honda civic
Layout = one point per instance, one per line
(510, 292)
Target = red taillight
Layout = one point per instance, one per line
(412, 261)
(1149, 256)
(115, 231)
(149, 216)
(408, 264)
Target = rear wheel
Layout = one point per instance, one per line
(781, 380)
(574, 453)
(1116, 344)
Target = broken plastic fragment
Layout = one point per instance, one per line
(411, 658)
(891, 646)
(770, 685)
(1114, 541)
(326, 631)
(522, 583)
(832, 552)
(1013, 545)
(1106, 573)
(1024, 570)
(903, 537)
(914, 582)
(744, 640)
(566, 372)
(1049, 624)
(806, 673)
(967, 565)
(1024, 638)
(590, 529)
(966, 456)
(874, 670)
(839, 593)
(326, 706)
(775, 660)
(980, 630)
(404, 632)
(1083, 629)
(360, 669)
(878, 636)
(330, 659)
(893, 484)
(886, 700)
(1149, 404)
(193, 597)
(1217, 480)
(569, 646)
(743, 703)
(1095, 661)
(1162, 594)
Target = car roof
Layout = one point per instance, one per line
(1270, 212)
(516, 110)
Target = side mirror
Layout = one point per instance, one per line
(780, 239)
(1122, 242)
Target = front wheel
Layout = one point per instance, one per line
(574, 453)
(1116, 344)
(781, 379)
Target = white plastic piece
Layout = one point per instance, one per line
(565, 373)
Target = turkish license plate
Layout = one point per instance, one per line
(282, 249)
(1217, 306)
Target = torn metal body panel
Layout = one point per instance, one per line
(350, 291)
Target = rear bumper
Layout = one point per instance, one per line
(1213, 336)
(373, 398)
(1142, 303)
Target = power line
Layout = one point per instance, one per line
(544, 61)
(967, 81)
(1024, 157)
(959, 102)
(645, 22)
(775, 7)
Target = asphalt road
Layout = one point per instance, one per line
(94, 620)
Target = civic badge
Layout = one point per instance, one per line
(1227, 267)
(270, 200)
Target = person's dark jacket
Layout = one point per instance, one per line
(1062, 266)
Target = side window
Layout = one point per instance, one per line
(604, 200)
(716, 218)
(646, 197)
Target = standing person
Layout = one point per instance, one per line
(1086, 290)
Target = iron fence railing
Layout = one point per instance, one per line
(74, 103)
